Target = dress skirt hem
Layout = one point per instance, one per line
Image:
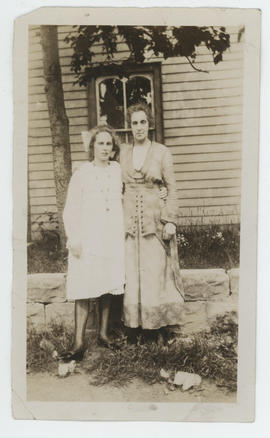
(115, 292)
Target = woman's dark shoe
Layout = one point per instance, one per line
(70, 355)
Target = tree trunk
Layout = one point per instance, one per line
(59, 123)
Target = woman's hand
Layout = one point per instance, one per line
(75, 250)
(163, 192)
(168, 231)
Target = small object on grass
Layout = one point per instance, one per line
(66, 368)
(171, 387)
(72, 366)
(63, 369)
(171, 341)
(164, 374)
(186, 380)
(54, 354)
(46, 345)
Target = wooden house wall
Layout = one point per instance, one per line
(202, 117)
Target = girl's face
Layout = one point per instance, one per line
(103, 147)
(139, 126)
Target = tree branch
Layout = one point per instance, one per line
(195, 68)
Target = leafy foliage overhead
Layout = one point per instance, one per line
(143, 42)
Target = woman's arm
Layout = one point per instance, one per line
(169, 211)
(72, 214)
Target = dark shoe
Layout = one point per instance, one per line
(70, 355)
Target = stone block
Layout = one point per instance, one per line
(194, 317)
(61, 313)
(36, 315)
(213, 309)
(46, 288)
(205, 284)
(234, 281)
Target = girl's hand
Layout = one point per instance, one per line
(168, 231)
(75, 250)
(163, 192)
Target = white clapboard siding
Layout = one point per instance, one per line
(203, 139)
(208, 175)
(36, 150)
(207, 157)
(40, 166)
(205, 183)
(41, 175)
(205, 202)
(202, 118)
(213, 192)
(43, 209)
(215, 102)
(41, 201)
(184, 122)
(214, 84)
(203, 128)
(45, 123)
(40, 158)
(201, 94)
(204, 148)
(46, 132)
(44, 192)
(40, 184)
(207, 165)
(201, 113)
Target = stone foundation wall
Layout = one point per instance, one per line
(209, 292)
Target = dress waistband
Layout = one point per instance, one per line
(140, 185)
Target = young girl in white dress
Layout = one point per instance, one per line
(93, 220)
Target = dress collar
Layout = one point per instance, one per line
(139, 173)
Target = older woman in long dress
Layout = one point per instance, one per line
(93, 219)
(153, 293)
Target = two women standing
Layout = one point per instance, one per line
(99, 241)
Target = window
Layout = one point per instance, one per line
(110, 97)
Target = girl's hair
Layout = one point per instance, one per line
(141, 106)
(97, 130)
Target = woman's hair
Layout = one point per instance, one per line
(141, 106)
(97, 130)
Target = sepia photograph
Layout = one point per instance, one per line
(134, 169)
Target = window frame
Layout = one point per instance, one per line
(147, 68)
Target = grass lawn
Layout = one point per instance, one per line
(211, 354)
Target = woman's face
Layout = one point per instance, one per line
(139, 126)
(103, 147)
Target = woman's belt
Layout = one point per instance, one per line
(140, 184)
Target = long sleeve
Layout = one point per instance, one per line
(72, 210)
(169, 212)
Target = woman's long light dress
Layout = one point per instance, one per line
(93, 219)
(154, 294)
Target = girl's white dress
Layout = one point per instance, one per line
(93, 218)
